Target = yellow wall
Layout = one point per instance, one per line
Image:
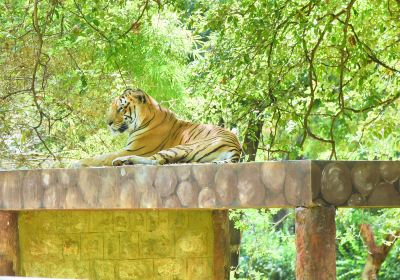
(144, 244)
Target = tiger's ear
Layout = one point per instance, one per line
(138, 94)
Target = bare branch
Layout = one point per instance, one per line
(136, 23)
(82, 16)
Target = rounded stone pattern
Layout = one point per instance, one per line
(365, 176)
(165, 181)
(273, 176)
(384, 194)
(172, 202)
(187, 193)
(204, 174)
(390, 171)
(356, 199)
(207, 198)
(251, 190)
(226, 185)
(336, 185)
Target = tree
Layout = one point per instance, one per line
(62, 60)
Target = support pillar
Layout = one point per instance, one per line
(315, 243)
(221, 244)
(8, 243)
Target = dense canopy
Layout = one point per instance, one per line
(297, 79)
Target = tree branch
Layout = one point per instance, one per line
(376, 254)
(136, 23)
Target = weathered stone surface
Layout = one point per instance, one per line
(207, 198)
(172, 201)
(336, 183)
(157, 221)
(199, 220)
(365, 176)
(54, 197)
(143, 175)
(187, 193)
(210, 186)
(10, 190)
(128, 197)
(183, 172)
(129, 245)
(356, 199)
(273, 176)
(101, 222)
(32, 190)
(135, 269)
(121, 221)
(158, 244)
(111, 246)
(191, 243)
(119, 244)
(89, 184)
(199, 268)
(315, 243)
(222, 247)
(389, 170)
(251, 190)
(104, 270)
(71, 246)
(92, 246)
(137, 221)
(297, 187)
(165, 181)
(74, 199)
(150, 198)
(177, 219)
(226, 185)
(276, 200)
(170, 269)
(108, 190)
(315, 180)
(384, 194)
(204, 174)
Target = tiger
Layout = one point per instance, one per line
(158, 137)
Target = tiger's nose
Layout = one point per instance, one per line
(110, 123)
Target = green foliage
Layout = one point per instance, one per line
(63, 62)
(322, 75)
(352, 253)
(267, 248)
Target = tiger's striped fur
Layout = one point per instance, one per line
(156, 136)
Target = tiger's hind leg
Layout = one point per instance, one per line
(172, 155)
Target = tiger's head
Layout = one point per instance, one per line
(128, 111)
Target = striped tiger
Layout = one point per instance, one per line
(157, 136)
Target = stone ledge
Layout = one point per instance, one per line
(243, 185)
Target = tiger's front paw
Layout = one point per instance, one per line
(131, 160)
(122, 161)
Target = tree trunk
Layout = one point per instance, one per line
(376, 254)
(251, 139)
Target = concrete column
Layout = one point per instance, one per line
(8, 243)
(221, 244)
(315, 243)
